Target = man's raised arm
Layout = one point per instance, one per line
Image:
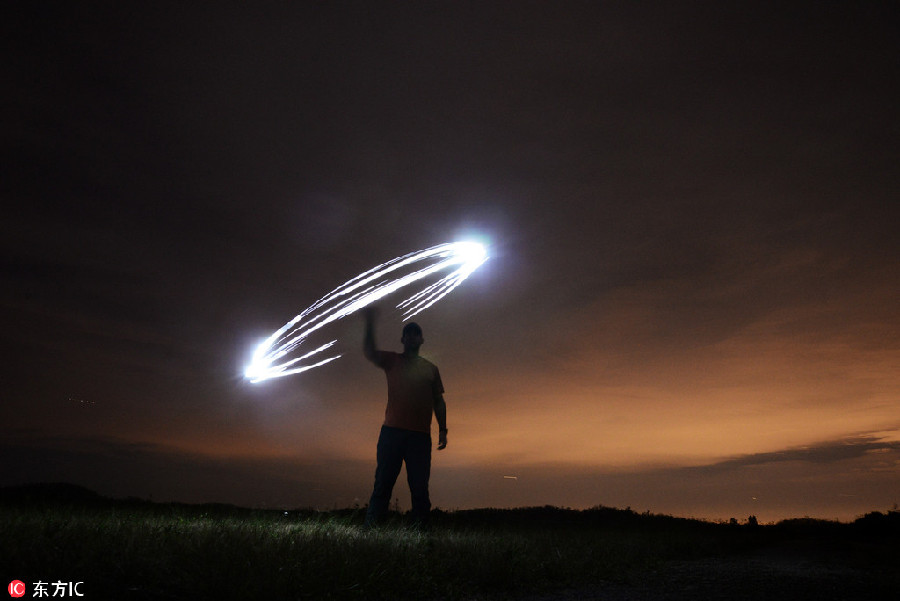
(369, 349)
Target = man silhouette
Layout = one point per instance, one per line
(415, 391)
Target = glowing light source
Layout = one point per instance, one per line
(455, 260)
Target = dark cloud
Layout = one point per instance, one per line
(822, 453)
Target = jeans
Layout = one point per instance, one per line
(394, 447)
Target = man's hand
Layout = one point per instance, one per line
(370, 313)
(442, 439)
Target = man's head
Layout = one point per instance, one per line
(412, 336)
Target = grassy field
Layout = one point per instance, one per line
(131, 549)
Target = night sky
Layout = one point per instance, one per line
(691, 208)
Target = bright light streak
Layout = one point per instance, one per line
(456, 260)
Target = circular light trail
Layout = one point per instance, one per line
(455, 260)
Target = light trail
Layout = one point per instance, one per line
(456, 260)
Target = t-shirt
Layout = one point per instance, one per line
(413, 385)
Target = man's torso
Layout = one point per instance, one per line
(413, 385)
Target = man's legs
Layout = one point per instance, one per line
(418, 471)
(390, 459)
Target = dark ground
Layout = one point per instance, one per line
(671, 559)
